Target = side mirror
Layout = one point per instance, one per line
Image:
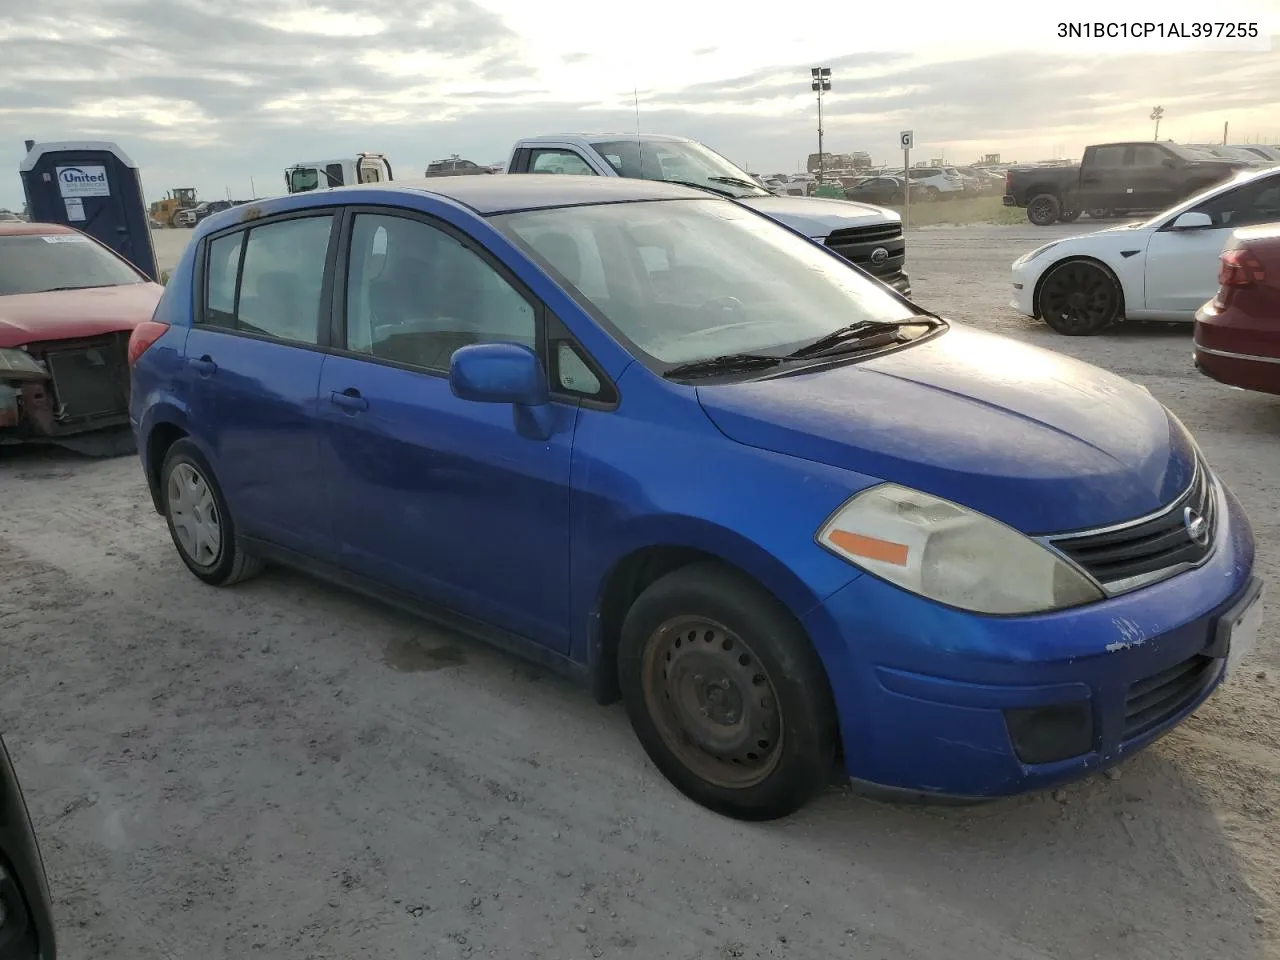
(26, 917)
(1191, 220)
(497, 373)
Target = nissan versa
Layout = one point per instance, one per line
(657, 440)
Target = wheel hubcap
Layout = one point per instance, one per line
(713, 703)
(195, 515)
(1079, 298)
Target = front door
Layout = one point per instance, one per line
(252, 366)
(1182, 265)
(439, 496)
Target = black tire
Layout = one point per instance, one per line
(932, 193)
(1069, 216)
(1079, 298)
(229, 564)
(706, 641)
(1043, 209)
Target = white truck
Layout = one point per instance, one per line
(326, 174)
(869, 237)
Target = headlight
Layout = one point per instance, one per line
(951, 554)
(1028, 257)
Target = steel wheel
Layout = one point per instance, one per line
(712, 702)
(1079, 298)
(197, 525)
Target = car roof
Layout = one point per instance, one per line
(23, 229)
(531, 191)
(668, 137)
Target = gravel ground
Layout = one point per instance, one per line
(285, 770)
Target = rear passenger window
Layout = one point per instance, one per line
(224, 266)
(274, 288)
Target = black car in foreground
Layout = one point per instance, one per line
(26, 916)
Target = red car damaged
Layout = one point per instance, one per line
(1237, 335)
(67, 307)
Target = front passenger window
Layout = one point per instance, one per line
(415, 294)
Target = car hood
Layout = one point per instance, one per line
(818, 216)
(1035, 439)
(66, 314)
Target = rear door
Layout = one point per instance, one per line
(1105, 178)
(252, 365)
(1155, 178)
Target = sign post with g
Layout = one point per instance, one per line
(83, 181)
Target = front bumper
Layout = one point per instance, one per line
(1024, 290)
(930, 698)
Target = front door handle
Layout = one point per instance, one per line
(205, 366)
(349, 400)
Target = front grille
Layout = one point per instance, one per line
(857, 244)
(1160, 698)
(1135, 554)
(90, 379)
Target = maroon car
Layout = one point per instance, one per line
(1237, 335)
(67, 307)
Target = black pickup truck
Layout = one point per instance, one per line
(1114, 178)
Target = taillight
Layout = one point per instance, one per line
(143, 336)
(1241, 268)
(1008, 181)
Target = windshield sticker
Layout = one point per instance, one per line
(64, 238)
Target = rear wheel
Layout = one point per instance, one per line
(1069, 216)
(1079, 298)
(199, 522)
(1043, 209)
(726, 694)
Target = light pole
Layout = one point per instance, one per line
(1156, 114)
(821, 77)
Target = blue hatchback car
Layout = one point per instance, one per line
(652, 438)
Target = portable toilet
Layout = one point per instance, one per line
(91, 185)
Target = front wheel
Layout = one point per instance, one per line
(199, 521)
(1079, 298)
(726, 694)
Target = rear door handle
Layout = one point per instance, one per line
(349, 400)
(205, 366)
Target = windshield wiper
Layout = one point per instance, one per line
(736, 182)
(705, 186)
(865, 334)
(87, 286)
(728, 363)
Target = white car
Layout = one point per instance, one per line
(1164, 268)
(936, 182)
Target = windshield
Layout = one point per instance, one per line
(302, 179)
(60, 261)
(678, 160)
(685, 280)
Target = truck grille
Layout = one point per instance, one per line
(857, 244)
(1162, 697)
(90, 379)
(1131, 555)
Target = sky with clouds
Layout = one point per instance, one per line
(216, 92)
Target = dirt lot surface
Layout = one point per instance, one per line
(283, 770)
